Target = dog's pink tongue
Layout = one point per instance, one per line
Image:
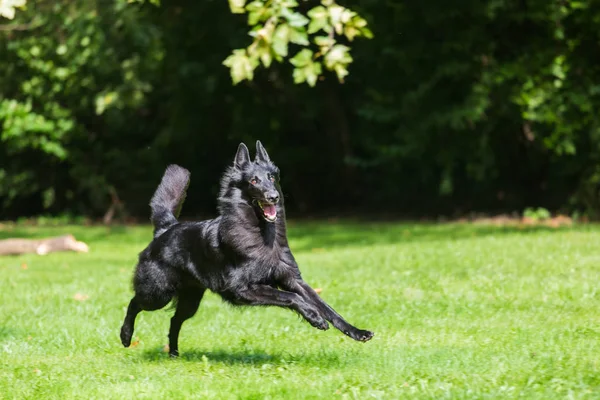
(270, 210)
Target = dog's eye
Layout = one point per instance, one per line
(272, 177)
(253, 181)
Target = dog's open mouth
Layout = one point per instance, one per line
(269, 210)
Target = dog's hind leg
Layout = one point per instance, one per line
(188, 302)
(127, 329)
(137, 304)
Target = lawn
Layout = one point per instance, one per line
(458, 311)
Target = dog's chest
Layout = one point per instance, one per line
(265, 267)
(261, 253)
(269, 256)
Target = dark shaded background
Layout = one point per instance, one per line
(453, 107)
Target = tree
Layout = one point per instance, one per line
(277, 24)
(97, 96)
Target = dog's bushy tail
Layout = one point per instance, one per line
(168, 198)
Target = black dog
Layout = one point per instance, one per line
(243, 254)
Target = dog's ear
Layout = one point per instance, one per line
(242, 157)
(261, 153)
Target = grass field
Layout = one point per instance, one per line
(459, 311)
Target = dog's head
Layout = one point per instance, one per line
(258, 180)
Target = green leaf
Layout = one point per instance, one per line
(324, 41)
(299, 75)
(351, 32)
(341, 72)
(104, 100)
(257, 12)
(255, 6)
(289, 3)
(313, 72)
(319, 19)
(578, 5)
(356, 26)
(35, 51)
(303, 57)
(240, 65)
(265, 54)
(569, 147)
(237, 6)
(318, 24)
(309, 73)
(339, 54)
(281, 39)
(7, 8)
(359, 22)
(335, 14)
(299, 36)
(366, 32)
(266, 59)
(254, 17)
(317, 12)
(295, 19)
(346, 16)
(53, 148)
(61, 73)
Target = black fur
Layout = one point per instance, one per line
(242, 255)
(168, 198)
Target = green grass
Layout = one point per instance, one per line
(459, 311)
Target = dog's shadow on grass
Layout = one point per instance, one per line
(252, 357)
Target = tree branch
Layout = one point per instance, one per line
(20, 27)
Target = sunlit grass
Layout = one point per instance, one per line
(458, 311)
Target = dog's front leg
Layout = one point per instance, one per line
(264, 295)
(297, 285)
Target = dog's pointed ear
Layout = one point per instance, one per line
(261, 153)
(242, 157)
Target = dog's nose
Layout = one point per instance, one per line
(272, 197)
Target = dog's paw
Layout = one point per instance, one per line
(126, 336)
(321, 324)
(316, 320)
(361, 335)
(365, 336)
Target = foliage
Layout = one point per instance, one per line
(499, 313)
(7, 7)
(276, 25)
(449, 108)
(71, 63)
(536, 214)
